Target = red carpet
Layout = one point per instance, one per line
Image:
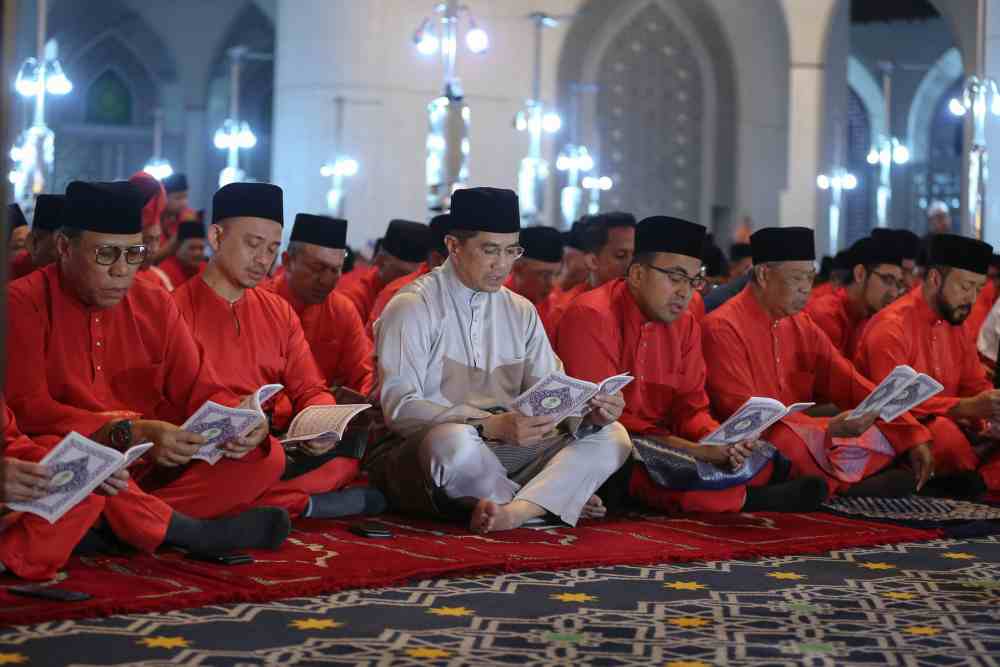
(323, 556)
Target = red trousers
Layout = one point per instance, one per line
(672, 501)
(33, 548)
(205, 491)
(792, 446)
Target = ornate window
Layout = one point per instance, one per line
(859, 202)
(109, 101)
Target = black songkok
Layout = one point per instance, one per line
(661, 233)
(320, 230)
(492, 210)
(959, 252)
(192, 229)
(248, 200)
(740, 251)
(870, 252)
(105, 208)
(542, 243)
(175, 183)
(48, 212)
(407, 240)
(783, 244)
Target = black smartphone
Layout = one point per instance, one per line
(375, 530)
(232, 558)
(48, 593)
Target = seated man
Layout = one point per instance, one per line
(94, 352)
(876, 280)
(740, 260)
(641, 324)
(405, 245)
(984, 303)
(760, 343)
(924, 330)
(609, 241)
(250, 336)
(436, 255)
(17, 228)
(330, 322)
(574, 269)
(152, 234)
(452, 348)
(41, 241)
(188, 260)
(176, 212)
(534, 275)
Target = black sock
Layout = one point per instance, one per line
(968, 485)
(357, 500)
(259, 528)
(893, 483)
(804, 494)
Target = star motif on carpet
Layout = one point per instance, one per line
(12, 659)
(895, 595)
(958, 555)
(450, 611)
(684, 586)
(688, 622)
(686, 663)
(314, 624)
(785, 575)
(164, 642)
(922, 631)
(878, 566)
(572, 597)
(427, 653)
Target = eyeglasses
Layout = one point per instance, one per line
(890, 280)
(106, 255)
(512, 253)
(678, 277)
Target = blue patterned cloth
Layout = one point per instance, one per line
(674, 469)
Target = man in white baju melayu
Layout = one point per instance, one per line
(454, 348)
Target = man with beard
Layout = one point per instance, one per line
(760, 343)
(188, 259)
(41, 242)
(642, 324)
(924, 330)
(876, 280)
(454, 348)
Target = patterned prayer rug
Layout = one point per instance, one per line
(934, 603)
(954, 518)
(324, 556)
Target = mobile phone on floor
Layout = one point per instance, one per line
(374, 530)
(48, 593)
(232, 558)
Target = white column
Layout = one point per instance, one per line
(809, 150)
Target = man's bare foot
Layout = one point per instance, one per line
(490, 517)
(594, 509)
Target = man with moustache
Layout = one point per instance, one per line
(642, 324)
(875, 281)
(924, 330)
(102, 355)
(760, 343)
(455, 347)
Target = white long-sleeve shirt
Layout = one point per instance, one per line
(447, 352)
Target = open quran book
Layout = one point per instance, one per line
(220, 424)
(559, 396)
(753, 418)
(321, 422)
(78, 466)
(902, 390)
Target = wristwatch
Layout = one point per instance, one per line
(121, 434)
